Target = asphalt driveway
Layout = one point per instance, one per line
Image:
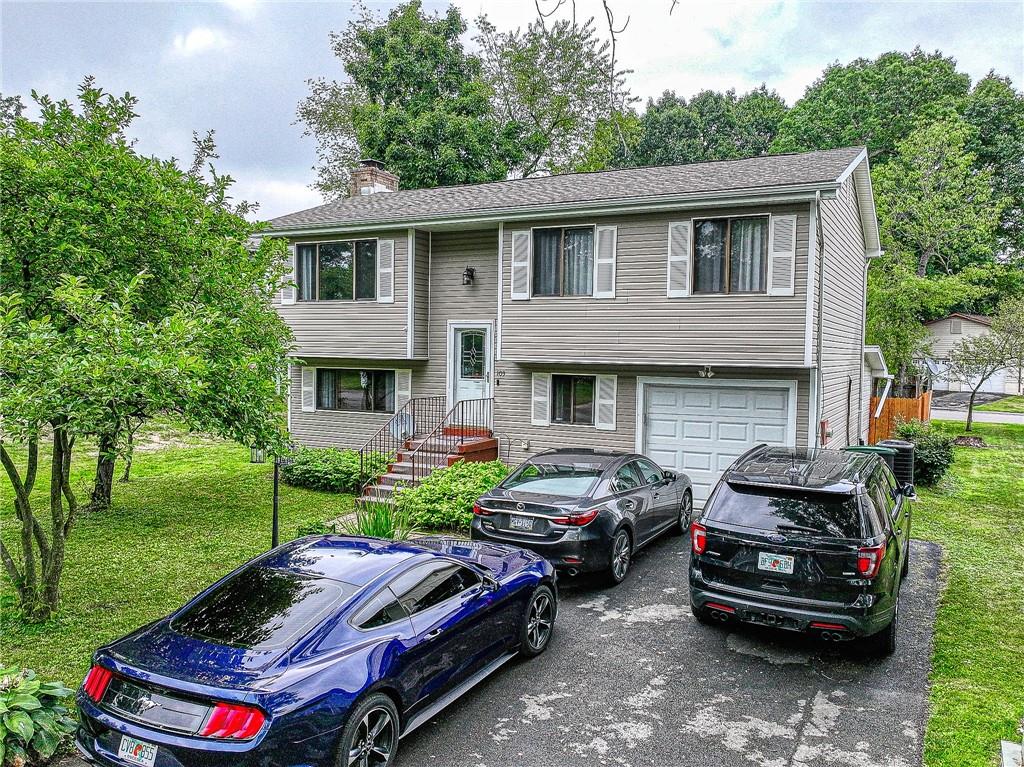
(632, 679)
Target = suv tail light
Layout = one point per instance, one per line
(698, 538)
(576, 520)
(230, 720)
(480, 511)
(96, 682)
(869, 560)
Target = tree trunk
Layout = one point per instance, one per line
(922, 261)
(970, 410)
(104, 484)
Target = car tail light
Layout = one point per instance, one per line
(698, 538)
(230, 720)
(719, 607)
(96, 682)
(869, 560)
(480, 511)
(828, 626)
(577, 520)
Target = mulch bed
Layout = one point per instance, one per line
(969, 442)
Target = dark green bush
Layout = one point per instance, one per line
(933, 451)
(34, 720)
(328, 468)
(444, 500)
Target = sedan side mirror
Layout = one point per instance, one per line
(670, 476)
(490, 584)
(909, 491)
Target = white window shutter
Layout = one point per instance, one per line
(521, 259)
(403, 388)
(541, 399)
(308, 390)
(604, 264)
(679, 247)
(605, 403)
(385, 271)
(291, 279)
(782, 255)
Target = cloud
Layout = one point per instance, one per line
(242, 7)
(199, 40)
(276, 196)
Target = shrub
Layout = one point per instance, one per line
(328, 468)
(933, 451)
(315, 528)
(444, 500)
(379, 519)
(33, 717)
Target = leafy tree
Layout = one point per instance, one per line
(611, 135)
(973, 361)
(711, 126)
(935, 204)
(557, 81)
(1008, 324)
(876, 103)
(78, 200)
(414, 100)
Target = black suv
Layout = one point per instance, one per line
(806, 540)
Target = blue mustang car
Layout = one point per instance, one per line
(323, 651)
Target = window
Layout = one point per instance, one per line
(429, 585)
(730, 255)
(956, 327)
(650, 473)
(572, 399)
(568, 479)
(366, 390)
(337, 271)
(832, 515)
(563, 262)
(625, 479)
(381, 610)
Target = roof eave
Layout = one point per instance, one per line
(860, 169)
(753, 196)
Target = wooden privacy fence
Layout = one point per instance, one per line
(894, 410)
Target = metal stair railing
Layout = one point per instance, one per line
(467, 419)
(419, 415)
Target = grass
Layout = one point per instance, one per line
(193, 511)
(977, 515)
(1014, 404)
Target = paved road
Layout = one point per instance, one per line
(980, 416)
(632, 679)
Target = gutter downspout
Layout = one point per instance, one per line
(863, 331)
(819, 234)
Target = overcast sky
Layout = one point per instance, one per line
(240, 66)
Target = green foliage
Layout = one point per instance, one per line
(556, 79)
(933, 450)
(332, 469)
(33, 718)
(873, 102)
(711, 126)
(445, 498)
(315, 528)
(413, 99)
(379, 519)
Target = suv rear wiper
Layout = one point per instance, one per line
(801, 528)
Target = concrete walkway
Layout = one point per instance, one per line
(980, 416)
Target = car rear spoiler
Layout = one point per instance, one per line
(759, 485)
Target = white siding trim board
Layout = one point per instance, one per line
(410, 330)
(289, 290)
(501, 277)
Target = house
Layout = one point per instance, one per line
(946, 333)
(687, 312)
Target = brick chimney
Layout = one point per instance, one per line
(369, 177)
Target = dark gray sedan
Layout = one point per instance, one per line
(585, 510)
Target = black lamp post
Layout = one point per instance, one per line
(259, 455)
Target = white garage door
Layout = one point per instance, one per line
(996, 384)
(700, 430)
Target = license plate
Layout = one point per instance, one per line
(520, 523)
(774, 563)
(136, 751)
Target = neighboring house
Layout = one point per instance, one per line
(946, 333)
(687, 312)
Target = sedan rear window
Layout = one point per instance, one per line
(568, 479)
(831, 515)
(262, 608)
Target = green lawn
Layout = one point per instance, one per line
(977, 515)
(192, 512)
(1013, 404)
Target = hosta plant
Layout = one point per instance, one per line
(33, 717)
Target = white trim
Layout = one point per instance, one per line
(790, 288)
(863, 155)
(812, 410)
(759, 383)
(614, 234)
(430, 286)
(410, 298)
(675, 362)
(883, 398)
(450, 357)
(810, 283)
(757, 196)
(683, 292)
(501, 276)
(289, 400)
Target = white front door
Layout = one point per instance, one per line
(469, 356)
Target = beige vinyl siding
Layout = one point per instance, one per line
(641, 323)
(942, 339)
(513, 399)
(451, 253)
(365, 329)
(843, 294)
(421, 299)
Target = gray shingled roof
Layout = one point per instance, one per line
(601, 187)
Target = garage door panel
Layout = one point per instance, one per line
(702, 430)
